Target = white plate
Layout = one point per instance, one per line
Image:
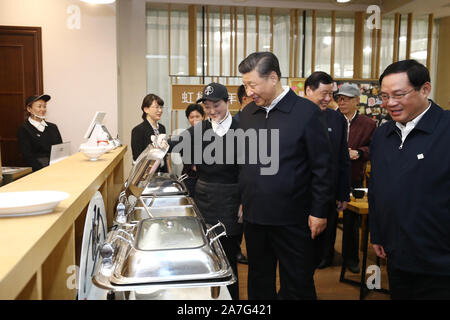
(26, 203)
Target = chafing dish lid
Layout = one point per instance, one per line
(170, 233)
(164, 185)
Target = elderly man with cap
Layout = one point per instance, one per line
(35, 135)
(360, 130)
(216, 191)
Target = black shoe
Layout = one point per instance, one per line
(324, 264)
(241, 258)
(354, 268)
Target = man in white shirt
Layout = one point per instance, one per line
(409, 189)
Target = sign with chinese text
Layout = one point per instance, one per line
(186, 94)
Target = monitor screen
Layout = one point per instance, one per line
(98, 118)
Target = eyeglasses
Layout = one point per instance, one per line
(396, 97)
(344, 99)
(157, 107)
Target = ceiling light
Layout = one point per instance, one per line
(342, 1)
(99, 1)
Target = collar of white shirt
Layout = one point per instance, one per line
(277, 99)
(155, 129)
(222, 127)
(38, 125)
(410, 125)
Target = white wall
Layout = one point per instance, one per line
(79, 65)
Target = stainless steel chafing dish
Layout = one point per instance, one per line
(160, 239)
(163, 252)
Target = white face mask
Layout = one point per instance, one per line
(39, 117)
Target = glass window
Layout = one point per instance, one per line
(387, 42)
(323, 43)
(343, 64)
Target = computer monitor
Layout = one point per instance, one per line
(59, 152)
(97, 120)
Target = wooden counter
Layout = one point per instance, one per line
(11, 174)
(38, 253)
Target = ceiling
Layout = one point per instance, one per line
(440, 8)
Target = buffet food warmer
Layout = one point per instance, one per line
(159, 240)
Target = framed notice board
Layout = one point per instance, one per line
(186, 94)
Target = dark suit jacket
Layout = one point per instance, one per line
(337, 130)
(36, 145)
(361, 130)
(303, 183)
(409, 194)
(141, 137)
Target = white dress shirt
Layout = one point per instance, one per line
(410, 125)
(276, 100)
(38, 125)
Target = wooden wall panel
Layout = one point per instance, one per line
(192, 12)
(358, 45)
(430, 40)
(396, 36)
(409, 36)
(313, 42)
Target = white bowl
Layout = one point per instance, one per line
(93, 152)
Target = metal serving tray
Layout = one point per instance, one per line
(140, 213)
(167, 201)
(164, 252)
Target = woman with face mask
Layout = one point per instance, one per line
(36, 136)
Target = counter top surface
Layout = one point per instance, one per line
(25, 242)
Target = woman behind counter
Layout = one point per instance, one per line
(152, 109)
(35, 135)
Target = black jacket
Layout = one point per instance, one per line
(337, 130)
(141, 137)
(196, 146)
(409, 194)
(36, 145)
(302, 185)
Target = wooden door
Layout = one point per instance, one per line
(20, 77)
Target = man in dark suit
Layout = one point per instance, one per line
(409, 189)
(319, 89)
(284, 209)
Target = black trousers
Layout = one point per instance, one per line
(350, 238)
(413, 286)
(295, 251)
(232, 245)
(220, 202)
(350, 234)
(329, 235)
